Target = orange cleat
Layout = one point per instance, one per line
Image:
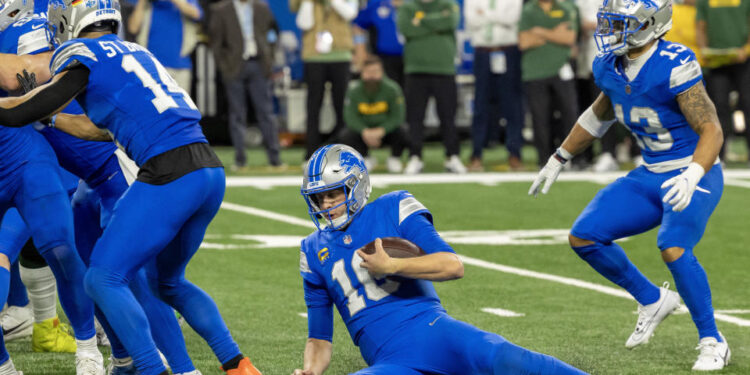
(245, 368)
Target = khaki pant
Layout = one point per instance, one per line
(184, 77)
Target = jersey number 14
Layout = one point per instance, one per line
(161, 101)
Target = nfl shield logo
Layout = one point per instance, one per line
(347, 240)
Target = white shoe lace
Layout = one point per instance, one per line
(708, 351)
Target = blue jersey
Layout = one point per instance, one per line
(371, 308)
(130, 94)
(80, 157)
(647, 106)
(17, 145)
(381, 15)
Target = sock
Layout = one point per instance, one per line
(165, 329)
(612, 263)
(692, 283)
(232, 363)
(4, 285)
(40, 282)
(69, 271)
(17, 294)
(118, 350)
(87, 345)
(201, 313)
(126, 316)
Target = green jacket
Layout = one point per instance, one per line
(383, 108)
(431, 46)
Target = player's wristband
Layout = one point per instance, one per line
(562, 155)
(360, 39)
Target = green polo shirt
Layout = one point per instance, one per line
(545, 61)
(382, 108)
(726, 21)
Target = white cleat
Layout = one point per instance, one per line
(414, 166)
(454, 165)
(17, 322)
(394, 164)
(194, 372)
(651, 315)
(89, 363)
(714, 355)
(101, 336)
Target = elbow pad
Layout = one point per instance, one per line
(593, 125)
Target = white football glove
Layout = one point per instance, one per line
(683, 186)
(549, 173)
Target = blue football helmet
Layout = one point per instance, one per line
(332, 167)
(13, 10)
(626, 24)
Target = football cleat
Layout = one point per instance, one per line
(52, 336)
(245, 368)
(101, 336)
(194, 372)
(17, 322)
(7, 368)
(121, 367)
(651, 315)
(88, 363)
(714, 355)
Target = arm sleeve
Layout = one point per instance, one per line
(319, 312)
(397, 112)
(404, 16)
(351, 113)
(685, 76)
(525, 22)
(347, 9)
(443, 22)
(48, 100)
(418, 229)
(306, 16)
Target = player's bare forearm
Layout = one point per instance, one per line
(442, 266)
(81, 126)
(579, 138)
(317, 356)
(10, 65)
(527, 40)
(700, 113)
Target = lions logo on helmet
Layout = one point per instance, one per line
(333, 167)
(626, 24)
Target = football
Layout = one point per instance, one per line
(396, 247)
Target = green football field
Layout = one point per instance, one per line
(517, 265)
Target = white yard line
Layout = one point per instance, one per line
(502, 312)
(484, 264)
(732, 177)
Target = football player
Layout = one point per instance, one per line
(655, 89)
(164, 213)
(389, 305)
(30, 181)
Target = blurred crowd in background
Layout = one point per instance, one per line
(394, 73)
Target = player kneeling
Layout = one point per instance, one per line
(389, 304)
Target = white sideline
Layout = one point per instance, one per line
(502, 312)
(731, 177)
(483, 264)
